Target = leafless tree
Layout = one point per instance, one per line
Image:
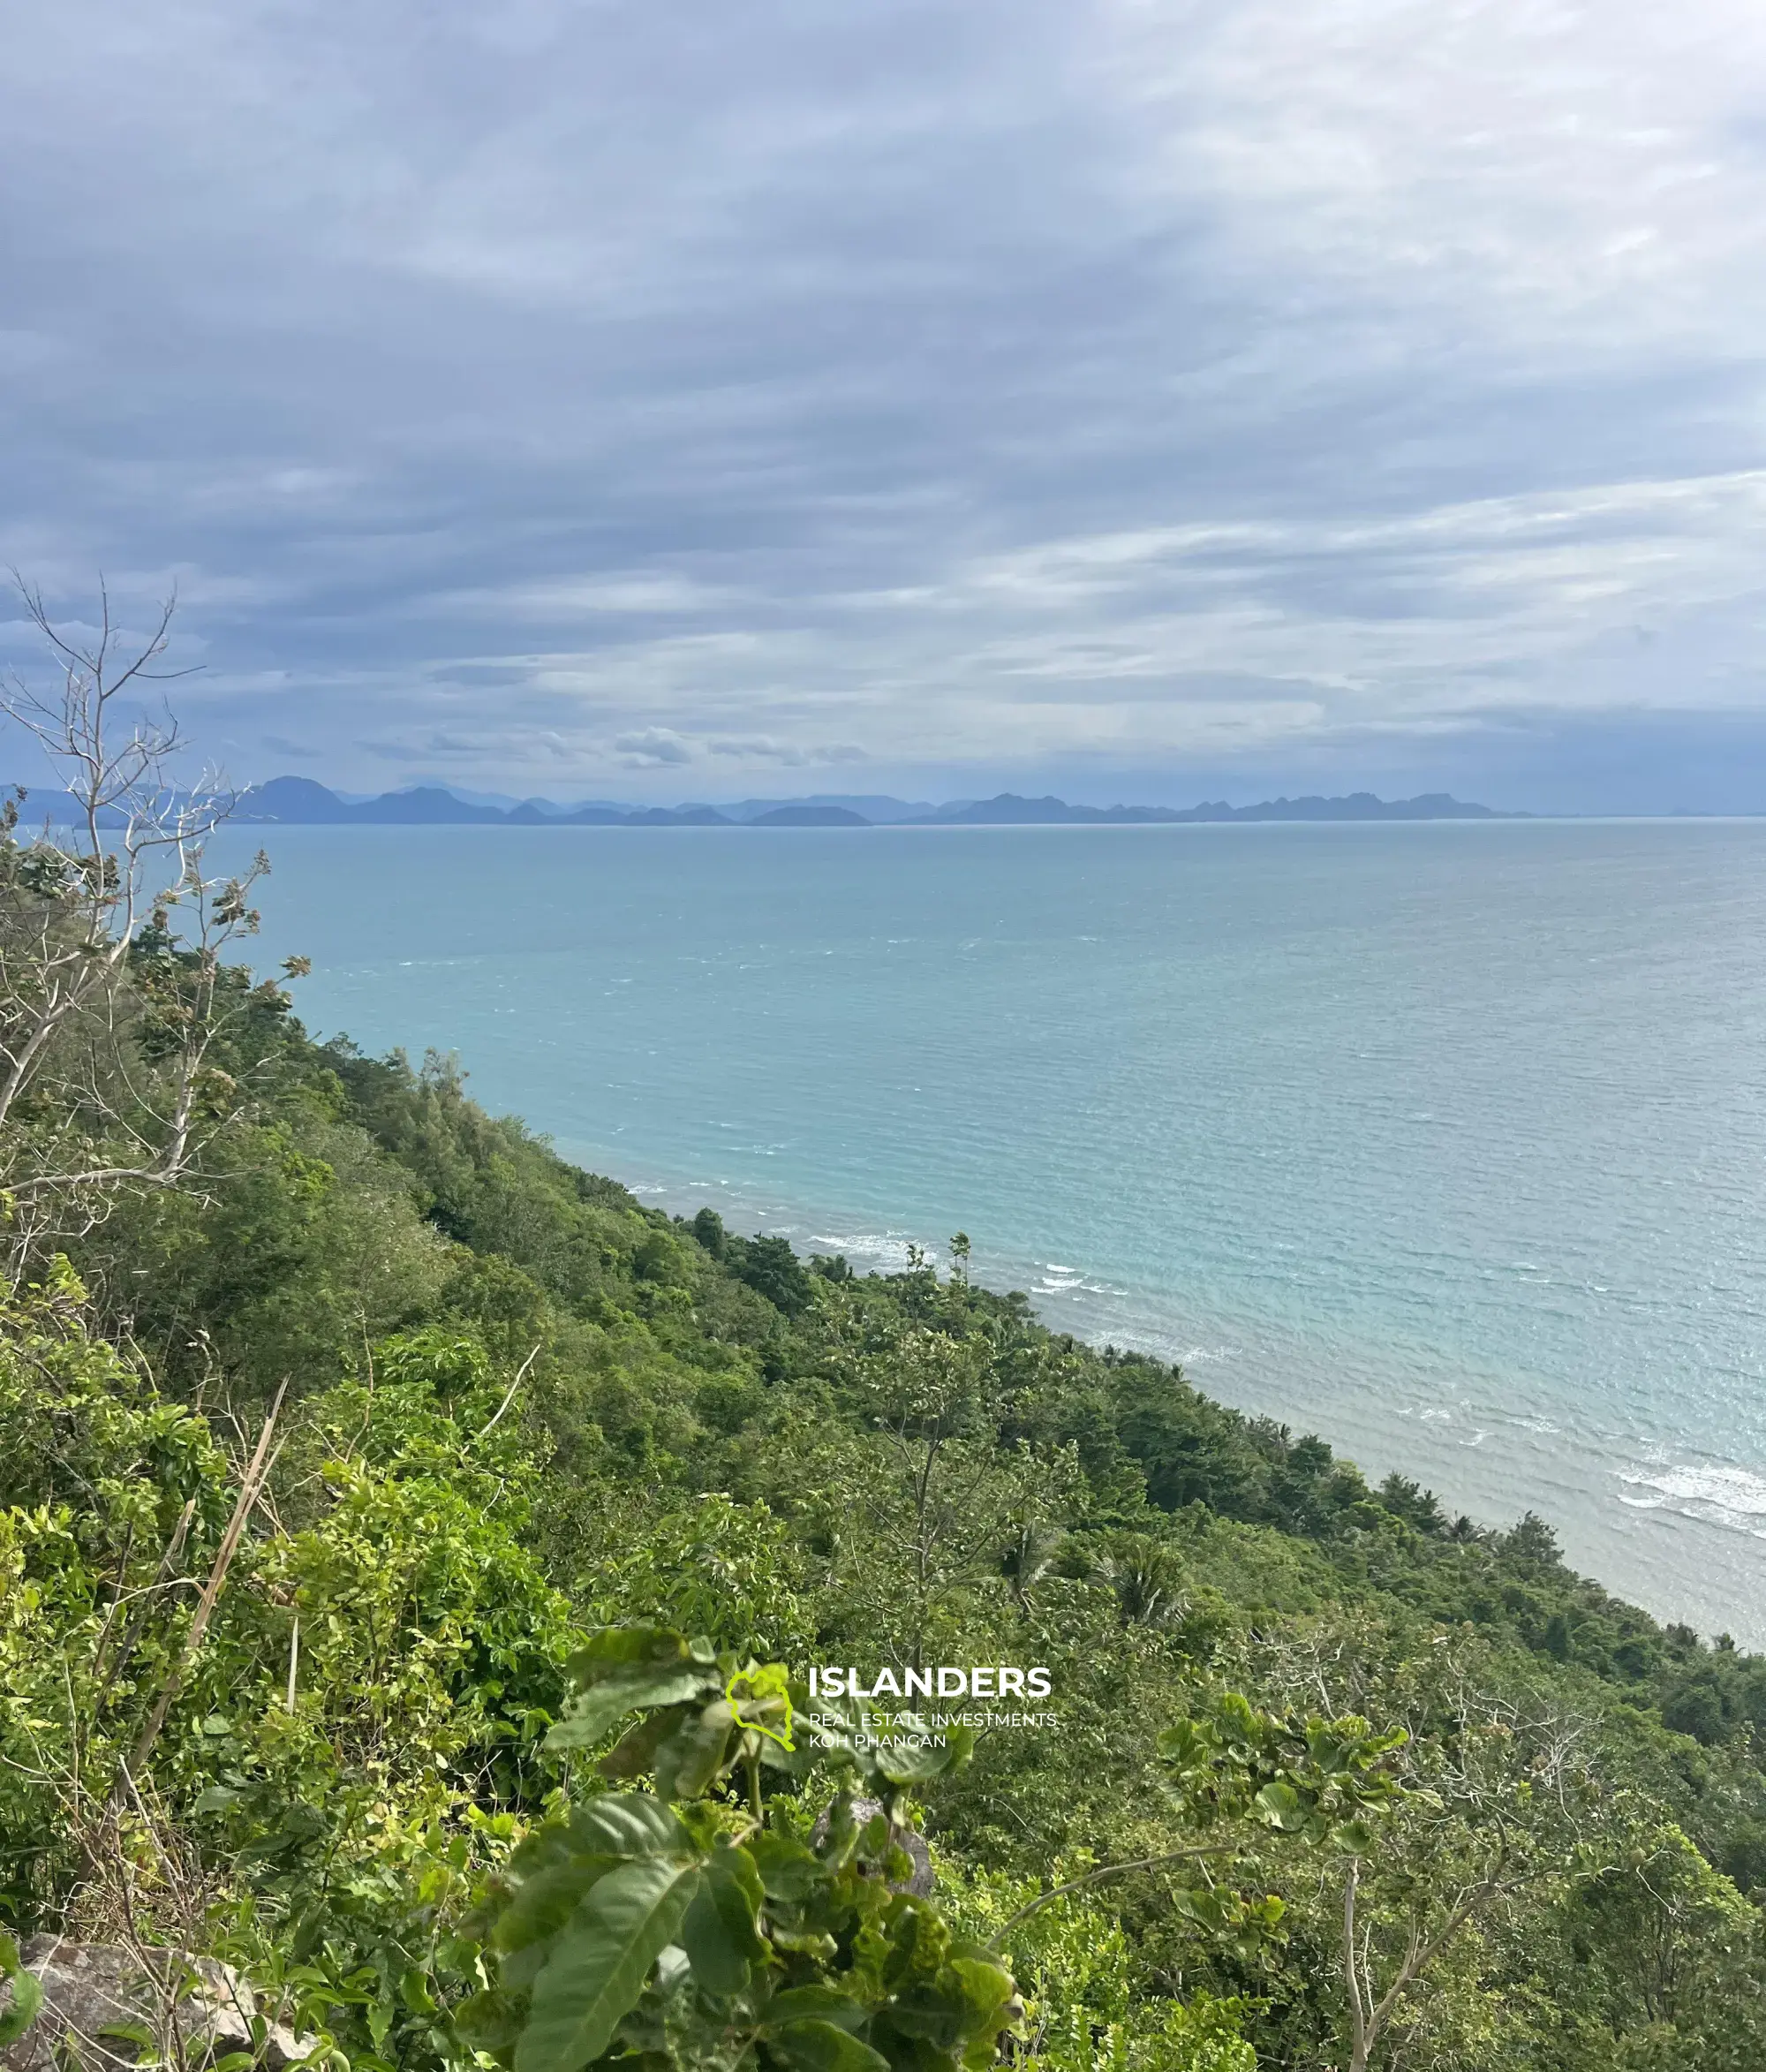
(105, 1073)
(1504, 1810)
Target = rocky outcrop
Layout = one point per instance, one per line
(909, 1840)
(112, 2009)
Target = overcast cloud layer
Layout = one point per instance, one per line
(1140, 397)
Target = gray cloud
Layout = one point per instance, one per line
(651, 747)
(1133, 392)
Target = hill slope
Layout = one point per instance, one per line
(519, 1403)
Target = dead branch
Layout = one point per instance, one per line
(255, 1475)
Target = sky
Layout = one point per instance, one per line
(1141, 399)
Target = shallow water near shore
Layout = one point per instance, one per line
(1446, 1140)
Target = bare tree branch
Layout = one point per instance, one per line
(89, 963)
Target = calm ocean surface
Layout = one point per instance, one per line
(1447, 1141)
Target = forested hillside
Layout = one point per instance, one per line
(412, 1550)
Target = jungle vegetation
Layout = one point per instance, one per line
(412, 1549)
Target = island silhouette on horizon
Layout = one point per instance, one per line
(303, 801)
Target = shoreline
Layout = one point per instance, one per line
(1419, 1440)
(1443, 1149)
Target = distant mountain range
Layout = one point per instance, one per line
(301, 802)
(1009, 811)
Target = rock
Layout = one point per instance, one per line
(199, 2007)
(85, 1991)
(907, 1839)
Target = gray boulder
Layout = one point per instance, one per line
(907, 1839)
(100, 2000)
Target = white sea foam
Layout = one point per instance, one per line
(1716, 1494)
(887, 1247)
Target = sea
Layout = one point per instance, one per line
(1446, 1141)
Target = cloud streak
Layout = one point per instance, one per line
(1016, 391)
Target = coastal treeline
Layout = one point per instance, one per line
(413, 1549)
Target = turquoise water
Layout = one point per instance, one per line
(1446, 1141)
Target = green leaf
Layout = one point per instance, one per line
(1187, 1743)
(560, 1863)
(543, 1849)
(216, 1799)
(634, 1754)
(490, 2021)
(543, 1904)
(819, 2046)
(414, 1990)
(735, 1861)
(805, 1942)
(796, 1761)
(520, 1968)
(918, 1766)
(788, 1870)
(1282, 1806)
(985, 1985)
(637, 1688)
(691, 1756)
(135, 2032)
(933, 2012)
(27, 1992)
(598, 1965)
(813, 2003)
(614, 1647)
(839, 1729)
(718, 1933)
(628, 1824)
(1207, 1910)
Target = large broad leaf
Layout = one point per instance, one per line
(26, 1997)
(630, 1688)
(693, 1755)
(788, 1870)
(626, 1823)
(985, 1983)
(634, 1753)
(819, 2046)
(719, 1934)
(543, 1905)
(613, 1647)
(813, 2003)
(1282, 1806)
(545, 1847)
(600, 1961)
(916, 1766)
(733, 1860)
(936, 2013)
(490, 2021)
